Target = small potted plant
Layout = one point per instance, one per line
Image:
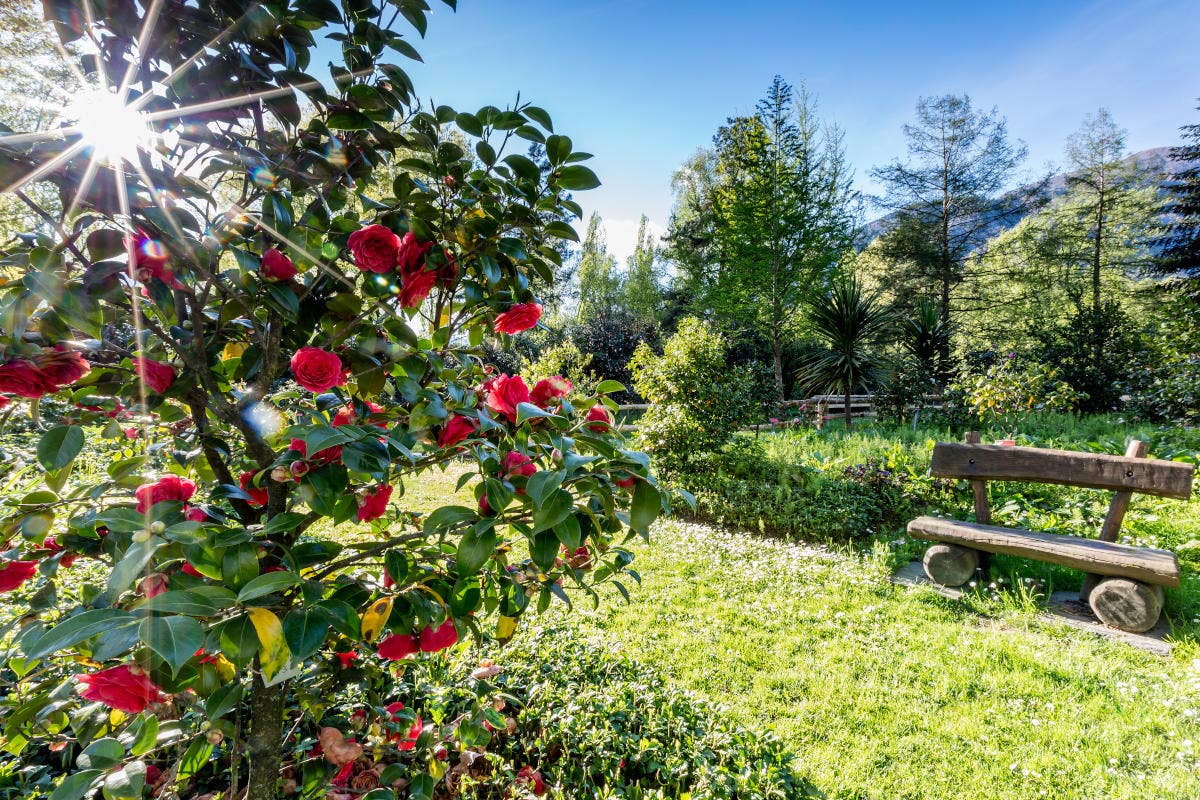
(1010, 391)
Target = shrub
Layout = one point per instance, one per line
(305, 347)
(1010, 390)
(696, 399)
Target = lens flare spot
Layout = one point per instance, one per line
(153, 250)
(263, 178)
(265, 418)
(335, 154)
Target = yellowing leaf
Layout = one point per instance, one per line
(233, 350)
(374, 618)
(274, 653)
(505, 628)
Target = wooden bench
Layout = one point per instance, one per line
(1123, 585)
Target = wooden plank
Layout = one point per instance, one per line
(1093, 470)
(1103, 558)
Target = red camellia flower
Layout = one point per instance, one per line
(53, 546)
(520, 317)
(506, 392)
(188, 569)
(518, 464)
(628, 482)
(126, 688)
(195, 514)
(346, 658)
(321, 457)
(23, 378)
(531, 779)
(317, 370)
(346, 415)
(166, 488)
(397, 646)
(374, 503)
(153, 773)
(258, 495)
(599, 418)
(374, 248)
(416, 286)
(62, 366)
(14, 573)
(276, 266)
(158, 376)
(150, 261)
(411, 253)
(439, 638)
(154, 584)
(548, 389)
(457, 429)
(447, 273)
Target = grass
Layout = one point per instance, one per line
(888, 692)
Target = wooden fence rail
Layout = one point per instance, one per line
(828, 406)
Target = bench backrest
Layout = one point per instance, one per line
(984, 462)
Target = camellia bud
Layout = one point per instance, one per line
(214, 737)
(142, 536)
(158, 526)
(449, 181)
(281, 474)
(556, 456)
(299, 469)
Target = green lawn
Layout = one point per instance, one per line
(886, 692)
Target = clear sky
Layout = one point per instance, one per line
(643, 83)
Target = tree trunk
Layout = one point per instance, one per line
(1097, 332)
(846, 407)
(264, 746)
(777, 353)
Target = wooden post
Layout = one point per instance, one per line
(983, 511)
(1111, 528)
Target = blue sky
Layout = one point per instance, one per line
(642, 84)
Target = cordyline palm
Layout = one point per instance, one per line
(849, 323)
(924, 335)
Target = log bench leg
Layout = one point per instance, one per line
(1126, 604)
(950, 564)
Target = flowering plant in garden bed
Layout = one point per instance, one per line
(289, 313)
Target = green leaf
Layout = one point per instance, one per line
(101, 754)
(474, 549)
(577, 178)
(239, 565)
(448, 517)
(147, 736)
(348, 121)
(541, 483)
(558, 149)
(76, 784)
(223, 700)
(646, 504)
(529, 411)
(176, 639)
(132, 564)
(267, 583)
(540, 116)
(543, 549)
(59, 446)
(194, 759)
(523, 166)
(200, 601)
(610, 386)
(74, 630)
(557, 506)
(305, 631)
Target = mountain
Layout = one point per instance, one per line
(1156, 159)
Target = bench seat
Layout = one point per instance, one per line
(1145, 564)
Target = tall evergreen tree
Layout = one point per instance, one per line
(1180, 246)
(599, 282)
(945, 197)
(643, 296)
(768, 214)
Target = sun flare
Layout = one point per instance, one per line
(112, 130)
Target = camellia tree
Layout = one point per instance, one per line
(264, 297)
